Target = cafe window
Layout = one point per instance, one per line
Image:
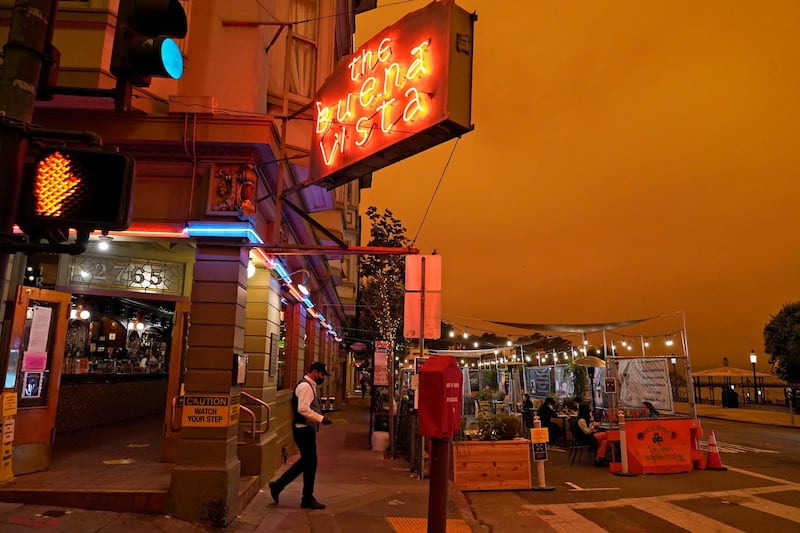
(281, 378)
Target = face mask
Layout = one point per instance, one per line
(319, 381)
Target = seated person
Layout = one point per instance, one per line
(649, 410)
(527, 411)
(546, 413)
(586, 432)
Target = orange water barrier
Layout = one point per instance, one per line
(661, 446)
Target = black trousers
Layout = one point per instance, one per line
(306, 439)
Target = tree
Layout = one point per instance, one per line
(381, 280)
(782, 343)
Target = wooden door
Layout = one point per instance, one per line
(33, 365)
(174, 407)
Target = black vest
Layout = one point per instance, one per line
(297, 418)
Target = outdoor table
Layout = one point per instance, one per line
(564, 427)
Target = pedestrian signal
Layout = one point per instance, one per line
(84, 190)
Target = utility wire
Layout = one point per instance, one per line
(433, 196)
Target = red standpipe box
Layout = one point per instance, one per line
(440, 385)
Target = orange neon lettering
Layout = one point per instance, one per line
(324, 118)
(391, 72)
(352, 65)
(343, 116)
(338, 144)
(367, 63)
(367, 91)
(385, 109)
(417, 68)
(384, 50)
(363, 130)
(414, 107)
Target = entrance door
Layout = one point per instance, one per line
(173, 412)
(33, 363)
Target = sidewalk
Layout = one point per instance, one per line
(752, 414)
(364, 492)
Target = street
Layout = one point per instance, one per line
(761, 488)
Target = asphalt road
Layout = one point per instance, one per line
(759, 492)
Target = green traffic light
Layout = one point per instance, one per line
(172, 59)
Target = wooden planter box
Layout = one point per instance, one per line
(492, 465)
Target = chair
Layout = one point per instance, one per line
(580, 442)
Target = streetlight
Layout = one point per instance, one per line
(753, 359)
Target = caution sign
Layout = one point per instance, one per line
(210, 411)
(540, 435)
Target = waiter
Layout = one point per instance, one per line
(306, 418)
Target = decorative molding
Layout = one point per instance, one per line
(233, 189)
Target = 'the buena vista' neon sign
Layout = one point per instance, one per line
(405, 90)
(386, 96)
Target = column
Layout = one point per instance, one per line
(261, 456)
(205, 480)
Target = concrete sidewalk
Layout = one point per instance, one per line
(365, 492)
(752, 414)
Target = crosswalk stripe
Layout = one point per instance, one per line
(562, 519)
(733, 448)
(688, 520)
(768, 506)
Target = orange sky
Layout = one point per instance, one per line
(629, 158)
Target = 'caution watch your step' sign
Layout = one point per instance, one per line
(210, 410)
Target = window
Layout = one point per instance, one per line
(303, 56)
(280, 381)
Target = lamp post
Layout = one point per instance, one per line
(753, 360)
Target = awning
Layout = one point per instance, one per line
(574, 328)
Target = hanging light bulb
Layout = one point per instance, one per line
(668, 342)
(452, 333)
(84, 314)
(466, 335)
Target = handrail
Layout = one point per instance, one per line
(252, 425)
(172, 414)
(262, 403)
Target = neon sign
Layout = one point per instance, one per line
(393, 97)
(385, 98)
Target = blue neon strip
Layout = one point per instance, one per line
(210, 229)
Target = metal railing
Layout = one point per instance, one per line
(251, 432)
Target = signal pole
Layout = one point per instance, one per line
(27, 36)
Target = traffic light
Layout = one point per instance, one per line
(85, 190)
(142, 43)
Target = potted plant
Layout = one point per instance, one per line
(497, 460)
(483, 396)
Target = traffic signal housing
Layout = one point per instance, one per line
(142, 42)
(85, 190)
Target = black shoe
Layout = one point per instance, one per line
(600, 462)
(274, 491)
(311, 503)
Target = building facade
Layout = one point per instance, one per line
(198, 307)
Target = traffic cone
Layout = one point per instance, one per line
(713, 460)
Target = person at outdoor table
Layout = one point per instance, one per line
(527, 411)
(649, 410)
(590, 433)
(546, 413)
